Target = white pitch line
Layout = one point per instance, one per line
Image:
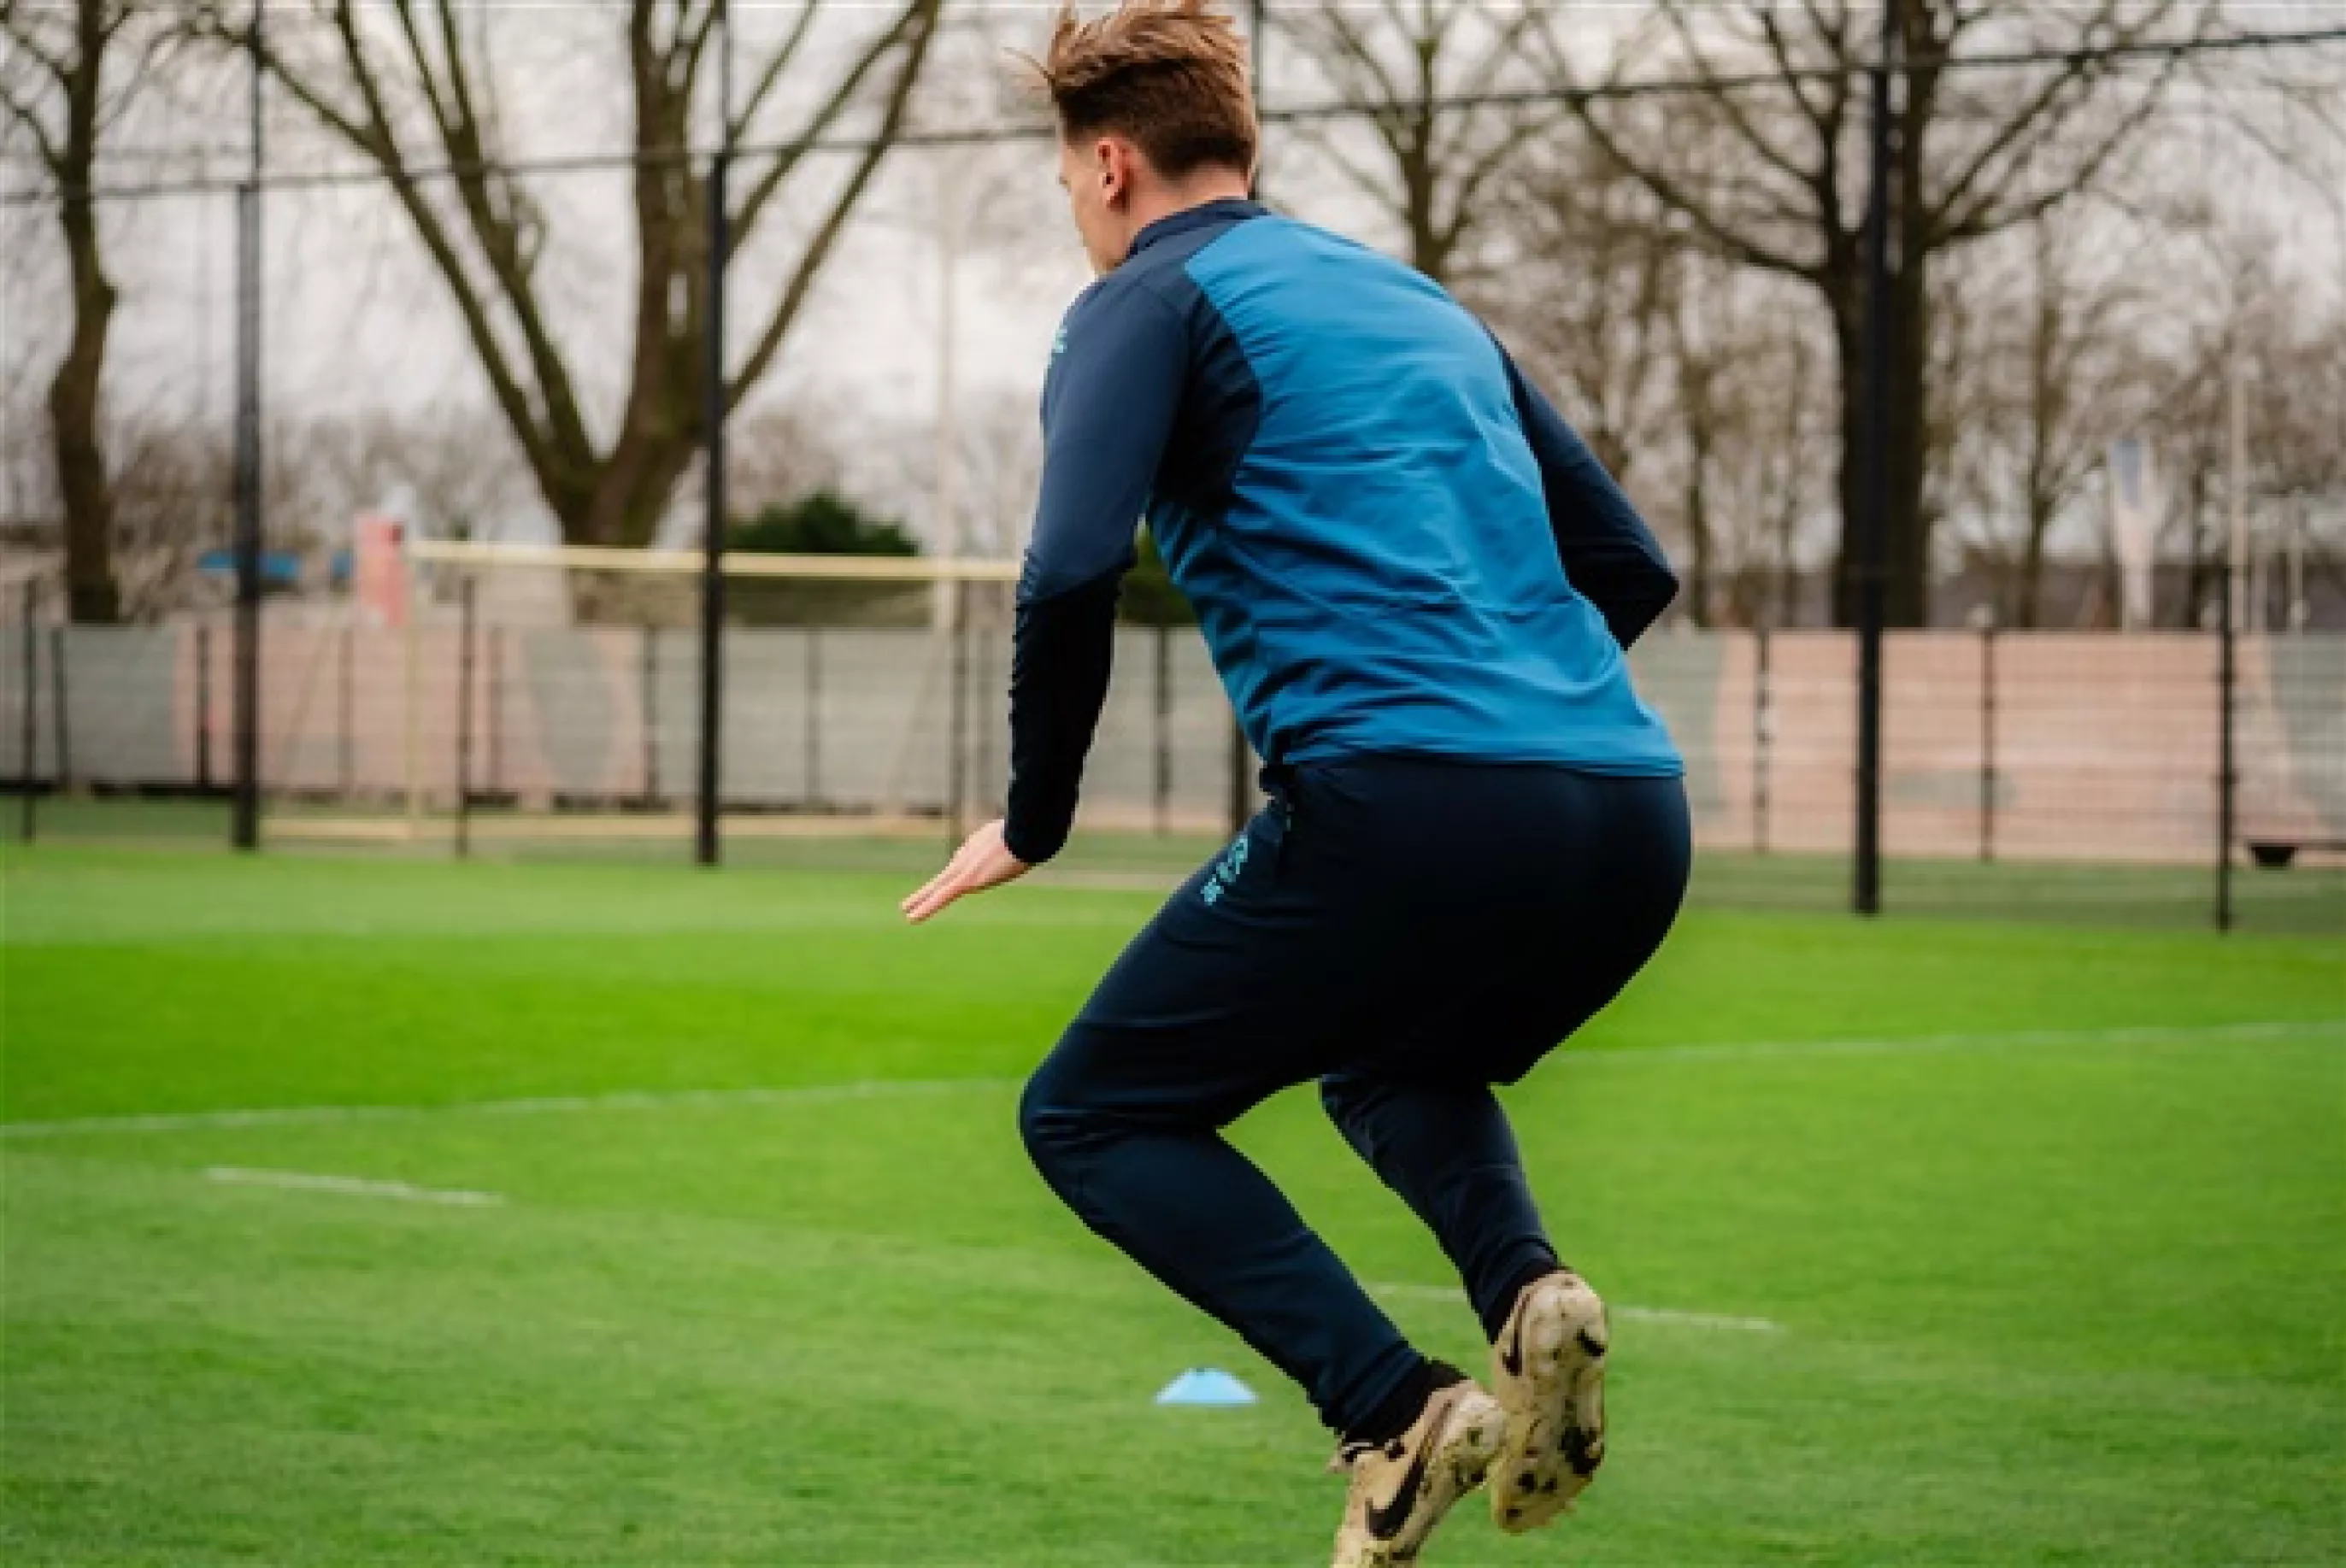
(1452, 1296)
(1992, 1040)
(817, 1094)
(543, 1105)
(352, 1187)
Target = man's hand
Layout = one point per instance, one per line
(982, 861)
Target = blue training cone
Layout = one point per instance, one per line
(1208, 1386)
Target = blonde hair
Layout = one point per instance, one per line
(1171, 75)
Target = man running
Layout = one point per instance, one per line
(1417, 583)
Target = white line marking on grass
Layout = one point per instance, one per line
(1450, 1295)
(352, 1187)
(545, 1106)
(1994, 1040)
(820, 1094)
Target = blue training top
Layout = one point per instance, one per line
(1393, 543)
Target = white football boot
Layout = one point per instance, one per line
(1402, 1488)
(1548, 1373)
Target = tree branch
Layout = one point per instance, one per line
(1730, 109)
(775, 66)
(916, 24)
(920, 17)
(2040, 118)
(24, 114)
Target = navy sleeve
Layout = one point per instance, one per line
(1609, 555)
(1108, 407)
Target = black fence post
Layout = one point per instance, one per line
(1763, 738)
(203, 709)
(29, 812)
(813, 746)
(1987, 742)
(244, 832)
(1164, 715)
(707, 847)
(466, 621)
(345, 711)
(648, 711)
(61, 753)
(2227, 773)
(1877, 480)
(495, 706)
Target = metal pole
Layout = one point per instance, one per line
(648, 711)
(466, 621)
(2300, 525)
(1763, 740)
(245, 830)
(63, 750)
(1163, 731)
(345, 704)
(2236, 572)
(707, 847)
(31, 738)
(2229, 628)
(1875, 498)
(1987, 742)
(815, 716)
(203, 709)
(411, 704)
(2227, 773)
(497, 708)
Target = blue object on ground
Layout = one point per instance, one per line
(1206, 1386)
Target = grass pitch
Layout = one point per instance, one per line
(646, 1217)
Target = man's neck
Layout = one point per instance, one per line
(1162, 200)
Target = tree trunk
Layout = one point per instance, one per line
(2028, 606)
(1701, 562)
(91, 595)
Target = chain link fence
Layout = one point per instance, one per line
(2038, 775)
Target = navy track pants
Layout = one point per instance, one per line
(1408, 932)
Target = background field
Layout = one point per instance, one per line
(1936, 1241)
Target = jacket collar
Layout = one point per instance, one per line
(1228, 208)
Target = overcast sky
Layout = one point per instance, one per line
(357, 320)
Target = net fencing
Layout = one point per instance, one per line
(2027, 773)
(520, 702)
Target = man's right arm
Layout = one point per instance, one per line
(1108, 408)
(1609, 555)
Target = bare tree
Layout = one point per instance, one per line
(1976, 153)
(172, 504)
(776, 455)
(2057, 376)
(1731, 477)
(408, 86)
(1585, 295)
(65, 81)
(1434, 168)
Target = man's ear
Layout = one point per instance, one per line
(1115, 168)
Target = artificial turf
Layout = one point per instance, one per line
(1936, 1241)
